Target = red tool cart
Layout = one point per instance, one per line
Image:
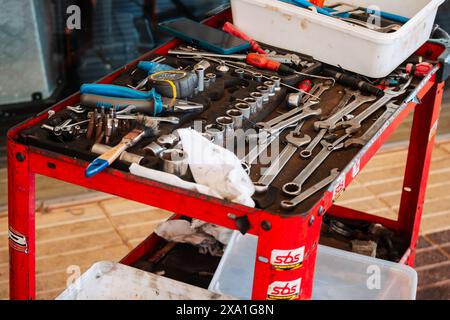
(274, 231)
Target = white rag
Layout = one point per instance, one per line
(216, 170)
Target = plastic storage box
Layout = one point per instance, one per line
(337, 42)
(108, 280)
(339, 274)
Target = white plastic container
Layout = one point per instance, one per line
(337, 42)
(339, 274)
(108, 280)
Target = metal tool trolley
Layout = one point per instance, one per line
(275, 231)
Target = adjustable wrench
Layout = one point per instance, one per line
(354, 124)
(290, 204)
(294, 141)
(330, 123)
(307, 152)
(294, 187)
(365, 138)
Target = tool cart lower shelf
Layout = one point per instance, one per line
(279, 231)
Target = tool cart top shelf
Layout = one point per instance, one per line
(349, 161)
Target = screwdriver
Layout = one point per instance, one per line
(262, 62)
(233, 30)
(420, 69)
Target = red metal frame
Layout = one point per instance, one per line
(285, 233)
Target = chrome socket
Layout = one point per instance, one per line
(217, 132)
(264, 90)
(207, 82)
(295, 99)
(212, 77)
(222, 68)
(258, 96)
(271, 85)
(154, 149)
(227, 123)
(175, 161)
(200, 70)
(258, 77)
(244, 108)
(277, 81)
(240, 73)
(237, 116)
(253, 104)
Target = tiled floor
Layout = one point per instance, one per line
(106, 228)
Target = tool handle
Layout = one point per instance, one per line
(353, 82)
(262, 62)
(306, 4)
(305, 85)
(103, 162)
(115, 91)
(233, 30)
(419, 70)
(150, 107)
(152, 67)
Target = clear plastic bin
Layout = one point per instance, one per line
(339, 274)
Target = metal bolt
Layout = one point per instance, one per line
(311, 221)
(266, 225)
(20, 157)
(321, 211)
(263, 259)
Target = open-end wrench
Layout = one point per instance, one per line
(330, 123)
(353, 125)
(259, 148)
(317, 89)
(307, 112)
(365, 138)
(307, 152)
(290, 204)
(294, 141)
(294, 188)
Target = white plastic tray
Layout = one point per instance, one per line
(339, 274)
(337, 42)
(107, 280)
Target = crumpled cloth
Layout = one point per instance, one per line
(216, 171)
(217, 168)
(203, 235)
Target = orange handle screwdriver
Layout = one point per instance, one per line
(260, 61)
(233, 30)
(419, 70)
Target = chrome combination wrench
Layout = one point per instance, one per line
(254, 153)
(307, 152)
(295, 115)
(353, 125)
(290, 204)
(294, 141)
(294, 188)
(330, 123)
(391, 108)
